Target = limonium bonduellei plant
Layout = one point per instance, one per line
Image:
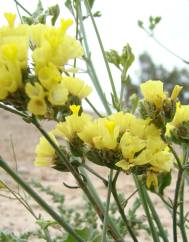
(136, 138)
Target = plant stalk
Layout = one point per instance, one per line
(121, 209)
(90, 66)
(103, 52)
(181, 209)
(146, 209)
(107, 206)
(40, 201)
(162, 232)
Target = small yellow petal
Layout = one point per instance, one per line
(10, 17)
(176, 91)
(58, 95)
(37, 106)
(151, 180)
(35, 90)
(124, 165)
(75, 109)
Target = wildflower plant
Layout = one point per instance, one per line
(135, 138)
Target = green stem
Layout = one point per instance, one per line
(162, 232)
(182, 217)
(15, 111)
(22, 7)
(111, 224)
(20, 199)
(170, 208)
(103, 52)
(77, 31)
(40, 201)
(121, 210)
(175, 204)
(90, 66)
(107, 206)
(175, 155)
(93, 107)
(26, 205)
(123, 78)
(95, 174)
(164, 47)
(146, 209)
(18, 11)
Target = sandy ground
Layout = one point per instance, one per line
(21, 137)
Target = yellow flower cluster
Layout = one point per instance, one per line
(51, 48)
(178, 129)
(45, 153)
(138, 140)
(13, 56)
(153, 92)
(141, 145)
(181, 115)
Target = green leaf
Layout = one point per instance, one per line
(97, 14)
(164, 180)
(53, 11)
(127, 57)
(27, 20)
(6, 236)
(157, 19)
(91, 3)
(87, 234)
(44, 224)
(134, 100)
(68, 4)
(39, 10)
(113, 57)
(140, 24)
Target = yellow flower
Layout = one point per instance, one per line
(58, 95)
(68, 49)
(37, 34)
(123, 120)
(102, 134)
(151, 179)
(45, 153)
(42, 55)
(153, 92)
(73, 124)
(65, 24)
(9, 52)
(144, 146)
(10, 17)
(54, 45)
(76, 87)
(35, 90)
(176, 91)
(162, 161)
(75, 109)
(37, 106)
(14, 49)
(130, 145)
(125, 165)
(181, 115)
(49, 76)
(10, 77)
(169, 127)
